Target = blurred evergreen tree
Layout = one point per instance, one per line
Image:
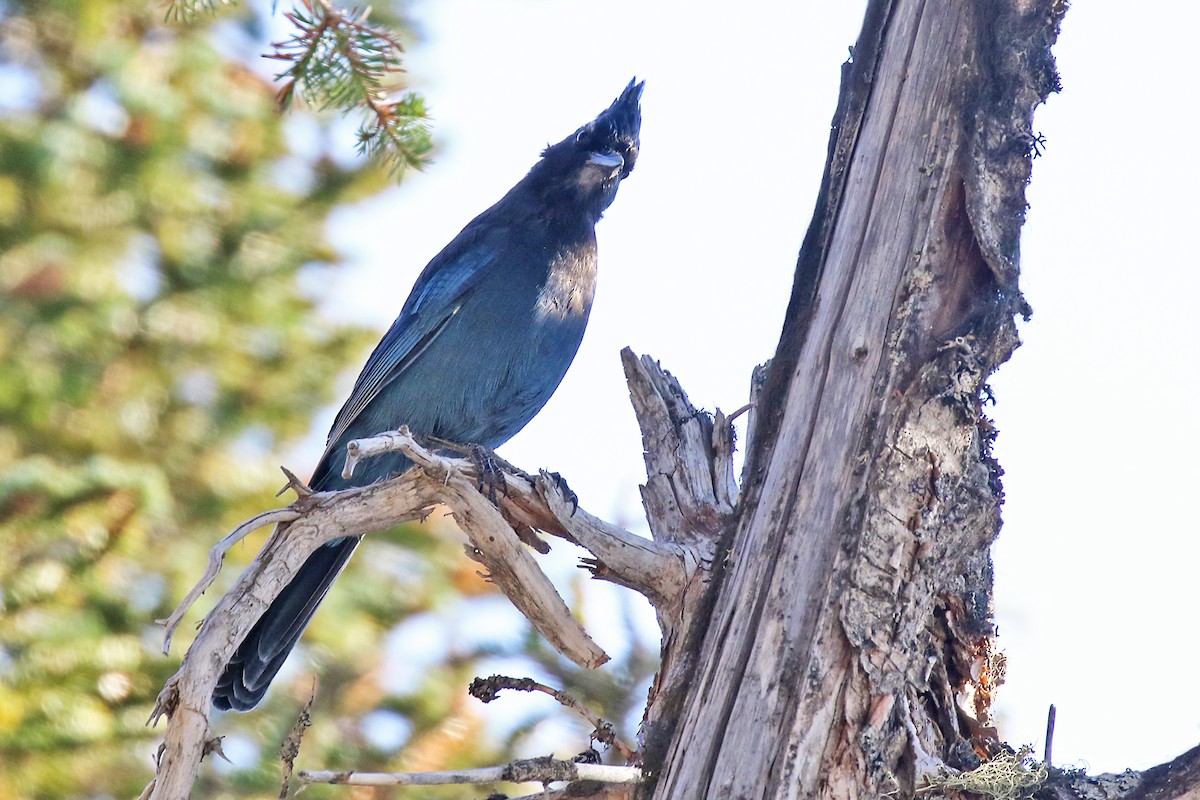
(162, 243)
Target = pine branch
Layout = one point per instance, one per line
(340, 61)
(186, 10)
(398, 134)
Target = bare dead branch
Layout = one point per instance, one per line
(488, 689)
(216, 557)
(291, 743)
(538, 770)
(658, 570)
(309, 523)
(496, 545)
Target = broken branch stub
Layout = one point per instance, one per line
(690, 491)
(510, 566)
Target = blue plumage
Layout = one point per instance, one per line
(483, 340)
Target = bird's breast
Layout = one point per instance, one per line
(566, 296)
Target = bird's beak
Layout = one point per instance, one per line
(610, 160)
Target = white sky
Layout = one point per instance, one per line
(1095, 567)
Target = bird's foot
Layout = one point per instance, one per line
(561, 484)
(489, 470)
(473, 451)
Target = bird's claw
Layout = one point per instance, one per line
(589, 756)
(489, 471)
(561, 484)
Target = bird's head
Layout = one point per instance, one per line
(586, 168)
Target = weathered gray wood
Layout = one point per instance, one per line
(689, 496)
(690, 492)
(849, 646)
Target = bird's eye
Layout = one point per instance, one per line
(582, 133)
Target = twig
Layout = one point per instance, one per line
(380, 443)
(739, 412)
(216, 557)
(539, 770)
(291, 744)
(488, 689)
(214, 745)
(1049, 735)
(658, 570)
(295, 484)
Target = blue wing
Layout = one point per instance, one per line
(435, 298)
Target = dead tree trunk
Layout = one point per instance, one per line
(848, 649)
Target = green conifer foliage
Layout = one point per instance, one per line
(157, 354)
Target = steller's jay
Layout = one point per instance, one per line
(483, 340)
